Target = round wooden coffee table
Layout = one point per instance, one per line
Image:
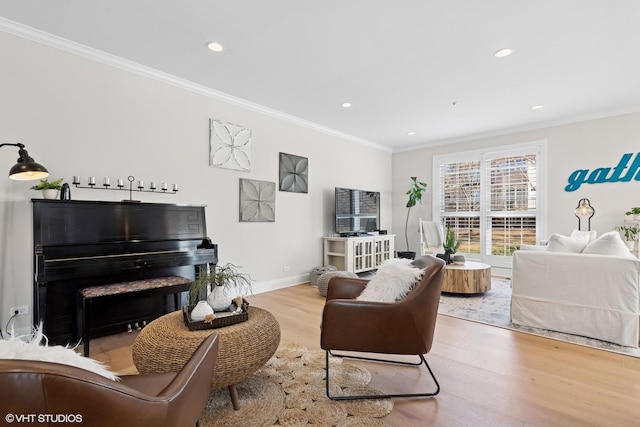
(166, 344)
(468, 278)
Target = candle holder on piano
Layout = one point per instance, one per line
(106, 185)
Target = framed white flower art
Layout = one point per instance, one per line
(229, 146)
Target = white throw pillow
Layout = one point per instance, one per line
(608, 244)
(16, 348)
(392, 282)
(559, 243)
(589, 235)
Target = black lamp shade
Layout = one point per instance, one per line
(27, 169)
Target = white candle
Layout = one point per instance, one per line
(76, 179)
(175, 187)
(164, 186)
(106, 182)
(152, 185)
(92, 180)
(120, 183)
(141, 184)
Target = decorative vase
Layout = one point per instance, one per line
(200, 311)
(50, 194)
(219, 298)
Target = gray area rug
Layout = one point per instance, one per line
(492, 308)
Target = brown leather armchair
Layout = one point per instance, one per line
(55, 390)
(402, 327)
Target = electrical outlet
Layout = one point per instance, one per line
(285, 268)
(22, 310)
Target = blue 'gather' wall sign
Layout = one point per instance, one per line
(601, 175)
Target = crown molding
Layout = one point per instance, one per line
(519, 129)
(69, 46)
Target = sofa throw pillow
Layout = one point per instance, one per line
(30, 349)
(609, 244)
(392, 282)
(589, 235)
(560, 243)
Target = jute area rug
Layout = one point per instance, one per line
(290, 391)
(492, 308)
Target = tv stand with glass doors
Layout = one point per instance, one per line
(358, 253)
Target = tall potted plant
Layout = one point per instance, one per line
(415, 196)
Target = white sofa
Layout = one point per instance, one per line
(588, 294)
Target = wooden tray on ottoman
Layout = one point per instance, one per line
(223, 318)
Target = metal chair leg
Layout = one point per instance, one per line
(381, 396)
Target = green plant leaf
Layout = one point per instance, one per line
(45, 184)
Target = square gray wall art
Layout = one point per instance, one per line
(294, 173)
(257, 201)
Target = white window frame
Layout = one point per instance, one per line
(484, 156)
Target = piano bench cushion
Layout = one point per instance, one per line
(134, 286)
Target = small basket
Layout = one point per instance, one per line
(223, 318)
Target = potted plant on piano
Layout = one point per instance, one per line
(49, 188)
(221, 284)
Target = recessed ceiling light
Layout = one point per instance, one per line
(215, 46)
(411, 133)
(502, 53)
(346, 104)
(537, 107)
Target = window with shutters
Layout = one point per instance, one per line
(491, 199)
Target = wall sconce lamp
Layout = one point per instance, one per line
(26, 169)
(584, 210)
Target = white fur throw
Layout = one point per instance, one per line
(392, 282)
(29, 348)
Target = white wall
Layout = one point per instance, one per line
(586, 145)
(81, 117)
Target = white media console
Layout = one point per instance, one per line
(358, 254)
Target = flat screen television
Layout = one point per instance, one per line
(357, 211)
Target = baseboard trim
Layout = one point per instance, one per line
(285, 282)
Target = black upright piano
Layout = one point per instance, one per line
(79, 244)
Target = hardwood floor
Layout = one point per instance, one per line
(489, 376)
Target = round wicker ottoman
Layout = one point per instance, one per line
(165, 345)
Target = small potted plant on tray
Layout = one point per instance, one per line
(220, 285)
(49, 188)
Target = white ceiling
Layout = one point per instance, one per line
(425, 66)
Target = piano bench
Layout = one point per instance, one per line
(158, 286)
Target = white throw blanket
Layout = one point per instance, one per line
(431, 234)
